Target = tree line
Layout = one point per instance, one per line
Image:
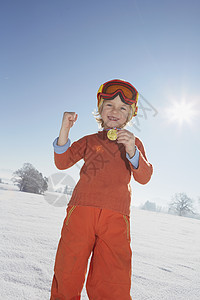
(30, 180)
(180, 205)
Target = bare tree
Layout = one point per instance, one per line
(181, 204)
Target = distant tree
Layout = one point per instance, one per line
(181, 204)
(68, 190)
(149, 206)
(0, 180)
(30, 180)
(159, 208)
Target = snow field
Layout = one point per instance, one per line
(166, 260)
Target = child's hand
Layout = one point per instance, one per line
(69, 118)
(127, 138)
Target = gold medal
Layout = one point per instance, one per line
(112, 134)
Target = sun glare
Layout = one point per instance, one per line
(182, 112)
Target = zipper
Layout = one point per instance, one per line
(69, 215)
(127, 226)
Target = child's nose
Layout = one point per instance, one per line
(115, 110)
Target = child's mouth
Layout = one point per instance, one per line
(112, 118)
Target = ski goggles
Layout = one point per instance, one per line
(110, 89)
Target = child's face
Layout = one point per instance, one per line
(115, 113)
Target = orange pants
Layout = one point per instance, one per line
(105, 234)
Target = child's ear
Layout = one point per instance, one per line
(131, 112)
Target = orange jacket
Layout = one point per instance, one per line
(106, 174)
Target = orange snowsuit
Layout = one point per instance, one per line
(97, 221)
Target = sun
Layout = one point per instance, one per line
(182, 112)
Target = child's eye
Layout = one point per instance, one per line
(108, 104)
(123, 108)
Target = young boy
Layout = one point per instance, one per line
(97, 218)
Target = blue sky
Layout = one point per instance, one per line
(55, 55)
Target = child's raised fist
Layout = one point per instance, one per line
(69, 118)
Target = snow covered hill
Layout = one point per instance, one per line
(166, 251)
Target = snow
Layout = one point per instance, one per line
(166, 260)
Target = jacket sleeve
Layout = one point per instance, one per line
(144, 171)
(71, 156)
